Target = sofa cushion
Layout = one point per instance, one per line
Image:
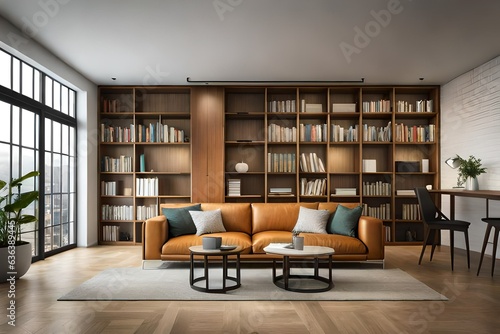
(345, 221)
(180, 245)
(311, 220)
(207, 221)
(263, 239)
(179, 220)
(276, 216)
(332, 206)
(237, 217)
(340, 243)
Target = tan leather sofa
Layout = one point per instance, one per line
(254, 225)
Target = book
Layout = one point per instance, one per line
(142, 161)
(369, 166)
(280, 190)
(344, 107)
(314, 107)
(345, 191)
(405, 192)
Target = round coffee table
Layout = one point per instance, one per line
(207, 253)
(316, 253)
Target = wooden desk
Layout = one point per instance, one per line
(493, 195)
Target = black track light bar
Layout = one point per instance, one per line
(275, 82)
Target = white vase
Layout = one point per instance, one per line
(471, 184)
(241, 167)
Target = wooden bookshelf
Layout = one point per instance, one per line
(250, 113)
(223, 126)
(149, 122)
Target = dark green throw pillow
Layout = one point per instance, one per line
(344, 221)
(180, 221)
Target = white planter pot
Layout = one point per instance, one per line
(23, 261)
(471, 184)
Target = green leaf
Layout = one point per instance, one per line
(15, 182)
(22, 201)
(25, 219)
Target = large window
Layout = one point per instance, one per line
(38, 132)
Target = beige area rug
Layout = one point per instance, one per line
(171, 282)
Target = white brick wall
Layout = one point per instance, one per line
(470, 125)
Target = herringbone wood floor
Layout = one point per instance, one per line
(473, 306)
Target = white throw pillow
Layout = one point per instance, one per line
(312, 221)
(207, 221)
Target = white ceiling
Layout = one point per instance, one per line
(164, 42)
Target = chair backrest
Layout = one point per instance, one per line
(428, 209)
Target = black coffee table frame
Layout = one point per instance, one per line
(282, 281)
(225, 276)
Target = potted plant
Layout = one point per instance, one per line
(15, 254)
(468, 171)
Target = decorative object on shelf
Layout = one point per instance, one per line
(468, 171)
(241, 167)
(411, 235)
(11, 219)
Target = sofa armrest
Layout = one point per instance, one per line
(154, 235)
(371, 233)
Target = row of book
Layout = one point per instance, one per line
(415, 133)
(289, 106)
(281, 134)
(420, 106)
(144, 212)
(146, 186)
(378, 188)
(281, 162)
(117, 212)
(234, 187)
(411, 212)
(282, 106)
(123, 164)
(311, 163)
(312, 187)
(108, 188)
(383, 211)
(117, 134)
(313, 132)
(110, 233)
(152, 133)
(340, 134)
(377, 133)
(377, 106)
(159, 133)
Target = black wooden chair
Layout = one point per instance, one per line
(435, 221)
(492, 222)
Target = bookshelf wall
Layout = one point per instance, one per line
(356, 129)
(144, 156)
(301, 144)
